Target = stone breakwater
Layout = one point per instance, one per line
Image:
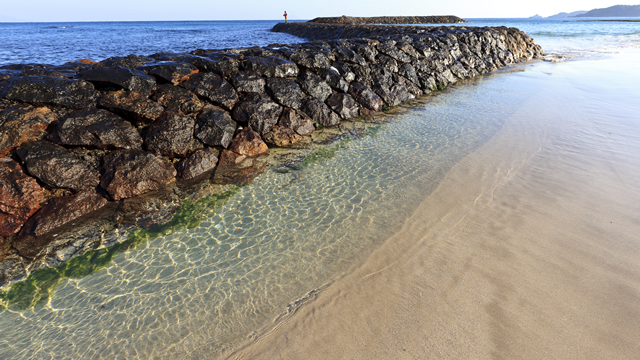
(121, 142)
(444, 19)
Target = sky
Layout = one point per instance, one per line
(151, 10)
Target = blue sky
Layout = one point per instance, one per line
(142, 10)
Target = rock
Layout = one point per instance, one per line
(313, 85)
(45, 72)
(150, 209)
(409, 73)
(215, 127)
(169, 71)
(131, 105)
(345, 71)
(248, 143)
(394, 95)
(5, 246)
(22, 123)
(458, 70)
(387, 62)
(344, 105)
(46, 90)
(393, 52)
(348, 55)
(367, 51)
(319, 112)
(237, 169)
(198, 163)
(170, 135)
(56, 167)
(381, 76)
(365, 97)
(213, 88)
(333, 78)
(297, 121)
(20, 197)
(96, 128)
(311, 60)
(285, 91)
(61, 211)
(282, 136)
(118, 78)
(127, 173)
(411, 87)
(11, 267)
(258, 111)
(219, 63)
(270, 66)
(130, 61)
(248, 81)
(177, 99)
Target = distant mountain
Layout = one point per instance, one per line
(536, 16)
(564, 14)
(614, 11)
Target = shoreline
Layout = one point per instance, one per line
(513, 256)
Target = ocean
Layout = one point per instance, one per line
(287, 238)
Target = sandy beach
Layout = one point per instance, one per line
(528, 249)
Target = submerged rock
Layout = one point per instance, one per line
(118, 78)
(61, 211)
(20, 197)
(22, 123)
(46, 90)
(282, 136)
(127, 173)
(213, 88)
(170, 135)
(215, 127)
(56, 166)
(96, 128)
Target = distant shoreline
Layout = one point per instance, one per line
(602, 20)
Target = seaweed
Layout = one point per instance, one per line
(324, 153)
(38, 288)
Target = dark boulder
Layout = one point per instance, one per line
(258, 111)
(43, 72)
(215, 127)
(22, 123)
(46, 90)
(282, 136)
(345, 71)
(387, 62)
(270, 66)
(310, 60)
(248, 143)
(131, 105)
(96, 128)
(381, 76)
(409, 72)
(366, 51)
(118, 78)
(298, 121)
(344, 105)
(177, 99)
(130, 61)
(313, 85)
(219, 63)
(393, 52)
(348, 55)
(213, 88)
(248, 81)
(362, 74)
(127, 173)
(171, 135)
(394, 95)
(200, 162)
(285, 91)
(320, 112)
(20, 197)
(61, 211)
(56, 166)
(365, 97)
(333, 78)
(169, 71)
(458, 70)
(411, 87)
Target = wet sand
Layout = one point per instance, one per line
(528, 249)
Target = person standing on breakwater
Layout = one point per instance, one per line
(285, 16)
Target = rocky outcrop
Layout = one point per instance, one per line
(447, 19)
(134, 132)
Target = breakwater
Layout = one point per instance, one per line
(122, 142)
(443, 19)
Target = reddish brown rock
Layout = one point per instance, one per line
(177, 99)
(300, 122)
(22, 123)
(20, 197)
(237, 169)
(131, 105)
(282, 136)
(127, 173)
(61, 211)
(248, 143)
(169, 71)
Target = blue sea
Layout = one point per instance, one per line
(57, 43)
(443, 190)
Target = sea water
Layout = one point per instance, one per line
(198, 293)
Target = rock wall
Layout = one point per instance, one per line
(85, 139)
(446, 19)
